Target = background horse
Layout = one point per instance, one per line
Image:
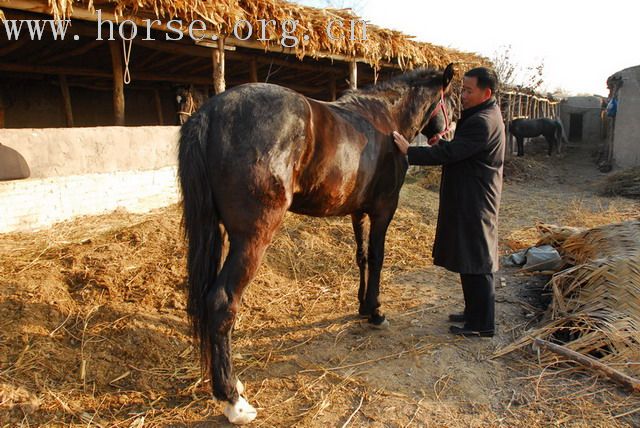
(552, 130)
(257, 150)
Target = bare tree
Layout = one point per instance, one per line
(511, 74)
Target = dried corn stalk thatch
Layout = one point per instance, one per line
(596, 303)
(221, 16)
(555, 235)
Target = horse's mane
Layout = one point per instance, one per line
(419, 77)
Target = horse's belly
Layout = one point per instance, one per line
(328, 200)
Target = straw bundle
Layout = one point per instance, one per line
(550, 234)
(596, 303)
(623, 183)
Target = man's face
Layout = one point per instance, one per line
(472, 95)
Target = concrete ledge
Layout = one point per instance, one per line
(58, 152)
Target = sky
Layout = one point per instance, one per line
(580, 42)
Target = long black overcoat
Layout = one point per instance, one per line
(467, 231)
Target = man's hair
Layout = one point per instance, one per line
(487, 78)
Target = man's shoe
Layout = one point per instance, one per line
(456, 317)
(467, 332)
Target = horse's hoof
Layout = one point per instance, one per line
(378, 322)
(384, 325)
(239, 387)
(240, 413)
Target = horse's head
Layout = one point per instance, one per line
(439, 114)
(429, 110)
(440, 121)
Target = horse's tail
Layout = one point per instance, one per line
(201, 223)
(561, 137)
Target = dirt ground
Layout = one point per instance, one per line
(94, 333)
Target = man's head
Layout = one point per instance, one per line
(479, 84)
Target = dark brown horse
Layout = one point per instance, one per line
(258, 150)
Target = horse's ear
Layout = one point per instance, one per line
(447, 76)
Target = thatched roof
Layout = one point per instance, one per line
(382, 45)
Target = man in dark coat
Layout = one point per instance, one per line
(467, 231)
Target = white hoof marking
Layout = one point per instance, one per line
(240, 413)
(239, 387)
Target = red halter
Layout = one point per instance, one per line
(441, 106)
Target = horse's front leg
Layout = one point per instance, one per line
(357, 219)
(378, 231)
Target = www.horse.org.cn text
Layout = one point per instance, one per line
(336, 30)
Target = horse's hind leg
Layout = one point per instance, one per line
(520, 146)
(558, 138)
(223, 300)
(357, 220)
(551, 141)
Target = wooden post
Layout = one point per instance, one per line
(507, 129)
(1, 110)
(218, 67)
(253, 70)
(630, 383)
(353, 75)
(158, 103)
(66, 99)
(118, 83)
(332, 88)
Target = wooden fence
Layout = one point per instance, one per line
(516, 104)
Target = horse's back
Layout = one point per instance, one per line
(254, 119)
(530, 128)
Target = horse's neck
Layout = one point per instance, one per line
(387, 111)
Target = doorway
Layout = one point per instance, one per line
(575, 127)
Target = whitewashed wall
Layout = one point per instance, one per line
(86, 171)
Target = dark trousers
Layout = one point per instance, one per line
(479, 301)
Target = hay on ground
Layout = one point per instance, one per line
(524, 169)
(624, 183)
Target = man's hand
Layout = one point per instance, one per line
(401, 142)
